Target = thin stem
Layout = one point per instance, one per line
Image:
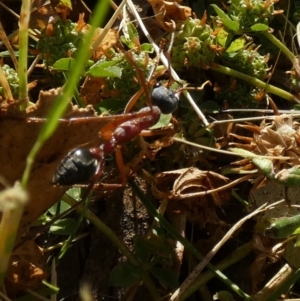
(290, 55)
(23, 53)
(255, 82)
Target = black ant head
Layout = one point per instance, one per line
(164, 98)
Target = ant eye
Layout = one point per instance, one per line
(164, 98)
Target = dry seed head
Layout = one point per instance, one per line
(279, 138)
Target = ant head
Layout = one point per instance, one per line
(164, 98)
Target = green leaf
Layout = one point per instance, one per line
(131, 36)
(259, 27)
(163, 121)
(101, 70)
(222, 37)
(64, 64)
(125, 274)
(220, 13)
(63, 226)
(59, 208)
(74, 193)
(230, 24)
(146, 47)
(141, 248)
(133, 33)
(237, 45)
(105, 64)
(165, 276)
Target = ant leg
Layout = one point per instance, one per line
(145, 84)
(96, 175)
(141, 78)
(121, 166)
(133, 100)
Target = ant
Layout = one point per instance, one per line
(85, 165)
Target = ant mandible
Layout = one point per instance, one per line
(85, 165)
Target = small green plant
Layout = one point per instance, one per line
(193, 44)
(13, 81)
(60, 39)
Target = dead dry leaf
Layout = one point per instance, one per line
(181, 187)
(94, 90)
(165, 11)
(184, 183)
(27, 268)
(41, 11)
(107, 43)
